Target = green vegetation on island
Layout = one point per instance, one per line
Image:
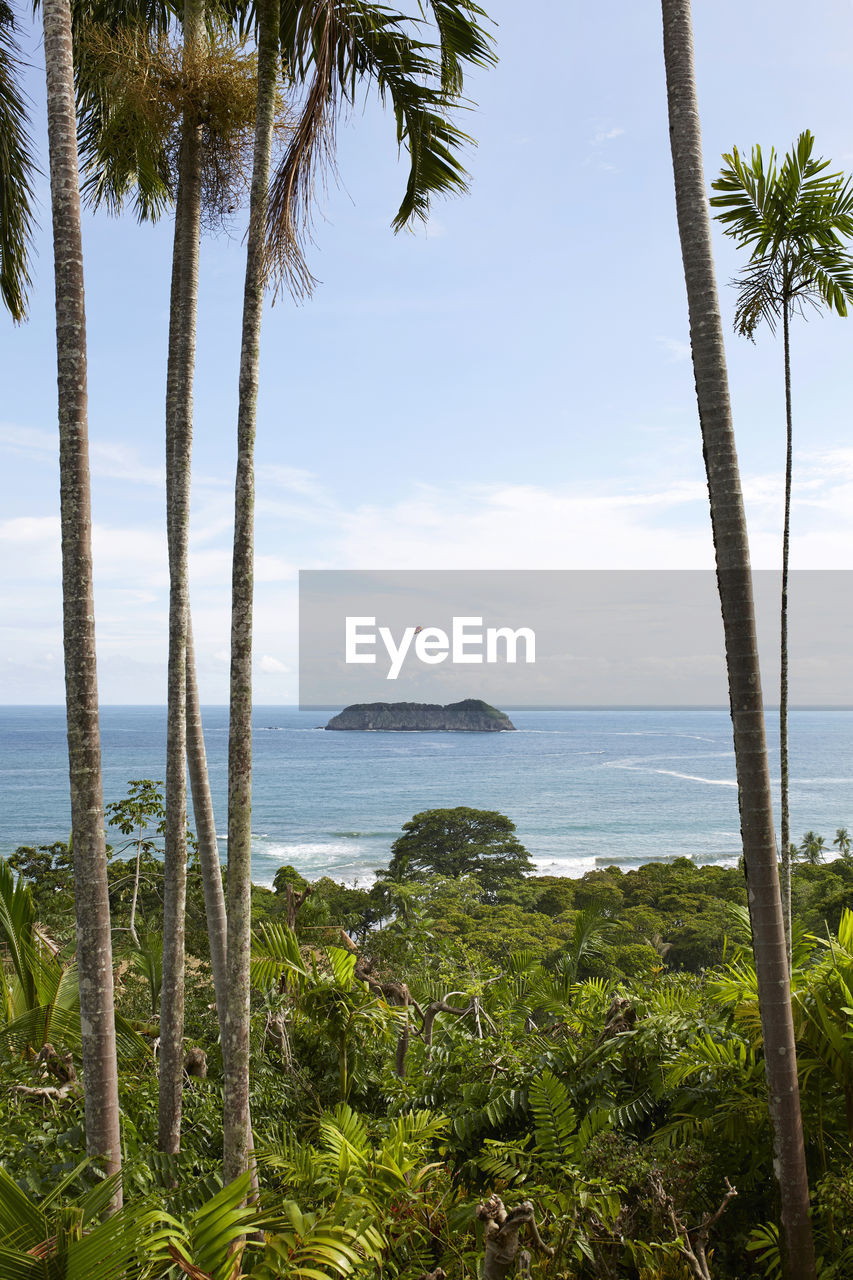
(469, 716)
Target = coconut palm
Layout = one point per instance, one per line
(331, 49)
(812, 848)
(16, 170)
(735, 587)
(794, 221)
(842, 842)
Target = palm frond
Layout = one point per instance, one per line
(332, 48)
(554, 1114)
(794, 221)
(17, 170)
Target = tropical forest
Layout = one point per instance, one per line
(456, 1065)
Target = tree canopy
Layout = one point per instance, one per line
(458, 842)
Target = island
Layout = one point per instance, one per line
(470, 716)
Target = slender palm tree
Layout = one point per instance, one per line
(842, 842)
(794, 221)
(94, 946)
(16, 173)
(163, 124)
(237, 1132)
(330, 48)
(735, 587)
(179, 421)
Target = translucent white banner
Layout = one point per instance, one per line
(560, 638)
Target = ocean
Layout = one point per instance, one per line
(585, 787)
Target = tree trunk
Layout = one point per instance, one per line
(783, 646)
(205, 826)
(91, 898)
(137, 869)
(236, 1041)
(735, 587)
(179, 405)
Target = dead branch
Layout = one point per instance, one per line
(500, 1236)
(692, 1242)
(293, 901)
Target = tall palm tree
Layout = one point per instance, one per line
(330, 48)
(179, 422)
(16, 170)
(94, 947)
(794, 221)
(735, 588)
(237, 1134)
(141, 99)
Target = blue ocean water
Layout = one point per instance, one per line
(585, 787)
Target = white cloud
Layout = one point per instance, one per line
(675, 348)
(505, 526)
(272, 666)
(108, 460)
(606, 135)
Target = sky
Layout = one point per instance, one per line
(507, 388)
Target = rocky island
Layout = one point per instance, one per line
(470, 716)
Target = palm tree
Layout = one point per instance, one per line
(330, 48)
(16, 169)
(141, 100)
(812, 848)
(94, 945)
(842, 842)
(793, 220)
(235, 1040)
(179, 389)
(735, 587)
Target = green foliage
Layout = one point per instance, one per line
(17, 171)
(579, 1067)
(285, 876)
(459, 842)
(325, 1001)
(331, 53)
(794, 219)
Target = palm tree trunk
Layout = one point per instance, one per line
(783, 632)
(205, 826)
(208, 853)
(136, 872)
(179, 405)
(735, 587)
(91, 898)
(237, 1135)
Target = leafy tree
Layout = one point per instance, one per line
(133, 816)
(459, 842)
(731, 548)
(794, 221)
(288, 875)
(48, 870)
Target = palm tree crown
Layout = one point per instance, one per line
(794, 219)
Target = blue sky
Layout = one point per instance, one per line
(509, 388)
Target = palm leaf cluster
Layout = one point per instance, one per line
(135, 85)
(17, 170)
(334, 47)
(793, 218)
